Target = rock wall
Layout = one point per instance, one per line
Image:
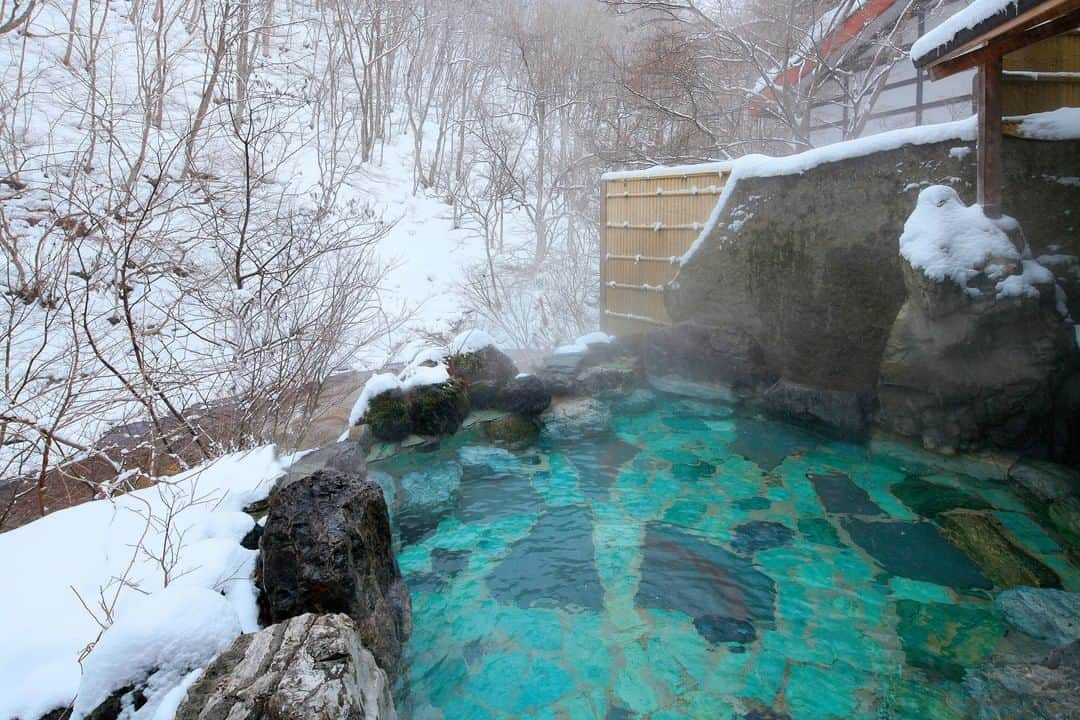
(808, 265)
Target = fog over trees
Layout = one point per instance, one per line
(186, 212)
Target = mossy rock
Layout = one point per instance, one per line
(1064, 515)
(485, 372)
(437, 409)
(388, 417)
(513, 431)
(983, 539)
(945, 639)
(930, 499)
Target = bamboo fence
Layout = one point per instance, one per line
(647, 222)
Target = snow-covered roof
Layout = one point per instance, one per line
(973, 20)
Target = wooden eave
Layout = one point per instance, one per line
(1018, 25)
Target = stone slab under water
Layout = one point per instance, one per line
(696, 562)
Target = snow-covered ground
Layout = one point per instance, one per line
(164, 557)
(426, 256)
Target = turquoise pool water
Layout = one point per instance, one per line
(694, 562)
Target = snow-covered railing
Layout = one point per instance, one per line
(649, 218)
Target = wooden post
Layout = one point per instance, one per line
(990, 138)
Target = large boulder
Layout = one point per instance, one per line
(574, 418)
(976, 353)
(513, 431)
(525, 395)
(1045, 614)
(438, 409)
(1040, 689)
(327, 548)
(387, 415)
(725, 355)
(837, 410)
(309, 666)
(485, 373)
(559, 372)
(983, 374)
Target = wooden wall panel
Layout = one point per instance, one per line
(647, 223)
(1044, 76)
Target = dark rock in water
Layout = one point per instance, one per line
(618, 713)
(1046, 481)
(838, 410)
(445, 564)
(944, 639)
(484, 372)
(559, 372)
(525, 395)
(1045, 614)
(553, 566)
(986, 542)
(767, 444)
(427, 496)
(819, 531)
(915, 550)
(1046, 689)
(438, 409)
(765, 713)
(682, 572)
(753, 503)
(729, 356)
(327, 548)
(310, 666)
(598, 463)
(930, 499)
(839, 494)
(718, 629)
(693, 473)
(513, 431)
(488, 494)
(760, 535)
(388, 416)
(636, 402)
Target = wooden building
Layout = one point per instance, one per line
(1038, 78)
(994, 37)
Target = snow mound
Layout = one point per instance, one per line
(84, 550)
(976, 12)
(947, 239)
(1060, 124)
(1024, 283)
(471, 341)
(164, 637)
(582, 344)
